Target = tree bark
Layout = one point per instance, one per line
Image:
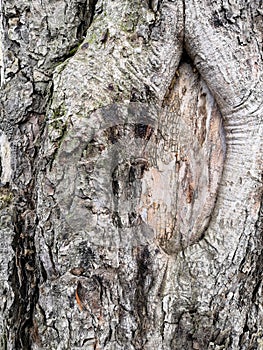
(131, 175)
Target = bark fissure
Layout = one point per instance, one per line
(25, 281)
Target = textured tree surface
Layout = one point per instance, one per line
(131, 174)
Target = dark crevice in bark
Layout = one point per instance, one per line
(185, 58)
(140, 302)
(184, 24)
(25, 277)
(1, 169)
(86, 13)
(154, 5)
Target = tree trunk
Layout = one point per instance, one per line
(130, 168)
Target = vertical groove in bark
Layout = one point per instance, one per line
(27, 61)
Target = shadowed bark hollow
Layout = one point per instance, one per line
(131, 175)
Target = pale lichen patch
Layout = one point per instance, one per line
(5, 159)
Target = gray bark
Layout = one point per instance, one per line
(131, 175)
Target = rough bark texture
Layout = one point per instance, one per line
(130, 167)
